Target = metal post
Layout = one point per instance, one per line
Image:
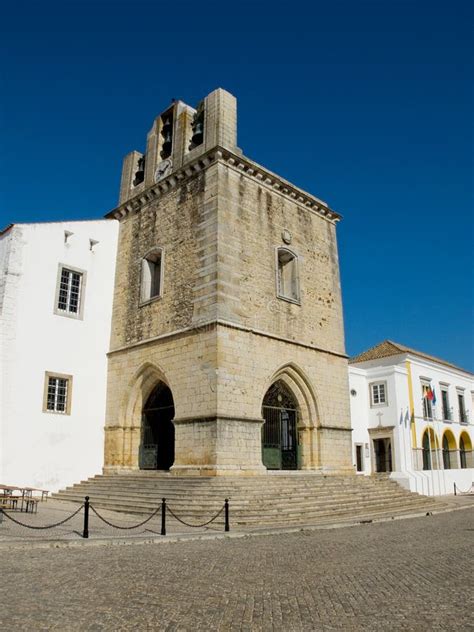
(455, 489)
(163, 516)
(85, 533)
(226, 513)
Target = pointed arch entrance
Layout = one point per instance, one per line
(280, 429)
(157, 431)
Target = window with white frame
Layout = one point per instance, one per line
(445, 403)
(287, 275)
(427, 399)
(151, 286)
(57, 393)
(462, 407)
(378, 394)
(70, 291)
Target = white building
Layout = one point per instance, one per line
(412, 415)
(56, 285)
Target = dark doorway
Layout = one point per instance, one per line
(446, 454)
(462, 453)
(359, 459)
(157, 441)
(383, 455)
(279, 432)
(426, 452)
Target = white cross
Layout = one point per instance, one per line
(380, 415)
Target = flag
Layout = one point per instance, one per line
(433, 399)
(401, 417)
(407, 418)
(429, 393)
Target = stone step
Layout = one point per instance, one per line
(259, 500)
(180, 489)
(255, 508)
(139, 506)
(299, 499)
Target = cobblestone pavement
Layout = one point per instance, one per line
(413, 574)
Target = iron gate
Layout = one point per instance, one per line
(280, 438)
(148, 448)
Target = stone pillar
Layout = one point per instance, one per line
(216, 445)
(129, 168)
(220, 126)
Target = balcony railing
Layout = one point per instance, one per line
(447, 414)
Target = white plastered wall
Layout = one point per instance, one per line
(43, 449)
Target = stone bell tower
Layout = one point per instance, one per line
(227, 350)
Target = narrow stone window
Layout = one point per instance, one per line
(287, 275)
(152, 276)
(57, 393)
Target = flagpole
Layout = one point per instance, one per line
(410, 450)
(441, 448)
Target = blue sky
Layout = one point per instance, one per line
(367, 105)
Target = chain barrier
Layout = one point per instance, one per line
(163, 508)
(116, 526)
(459, 491)
(204, 524)
(49, 526)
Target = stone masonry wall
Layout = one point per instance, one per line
(183, 224)
(251, 221)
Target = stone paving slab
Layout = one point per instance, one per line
(411, 575)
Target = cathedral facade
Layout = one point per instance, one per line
(227, 347)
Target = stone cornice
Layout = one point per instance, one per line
(238, 163)
(213, 323)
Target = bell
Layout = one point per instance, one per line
(198, 129)
(167, 137)
(167, 123)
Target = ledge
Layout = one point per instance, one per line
(237, 163)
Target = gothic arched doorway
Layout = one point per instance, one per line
(157, 438)
(279, 432)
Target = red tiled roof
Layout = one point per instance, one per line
(389, 348)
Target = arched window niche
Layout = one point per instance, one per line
(287, 275)
(151, 281)
(465, 451)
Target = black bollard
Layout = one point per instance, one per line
(85, 533)
(226, 513)
(163, 516)
(455, 489)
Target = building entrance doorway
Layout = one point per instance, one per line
(157, 438)
(279, 432)
(383, 455)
